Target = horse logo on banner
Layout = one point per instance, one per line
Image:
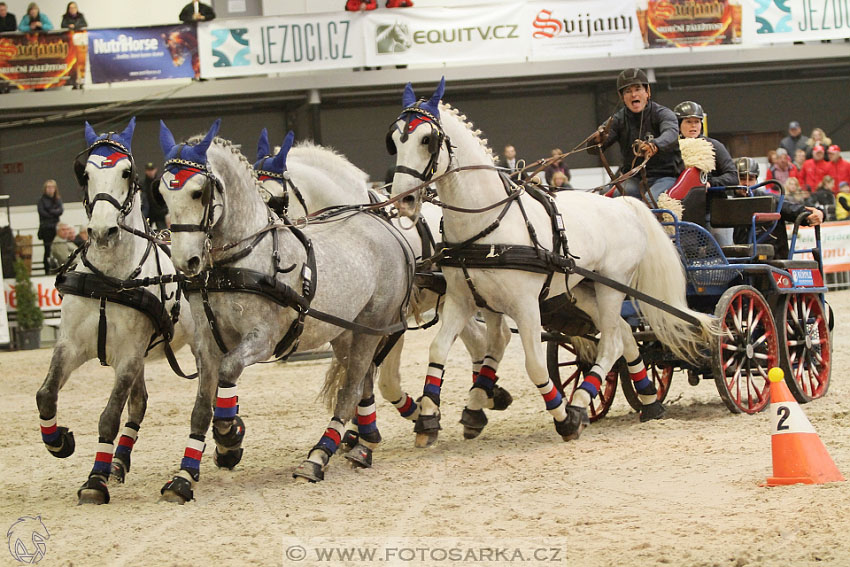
(393, 38)
(27, 539)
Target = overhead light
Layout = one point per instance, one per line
(650, 75)
(314, 97)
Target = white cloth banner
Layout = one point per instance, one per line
(801, 20)
(566, 29)
(835, 241)
(45, 290)
(440, 35)
(268, 45)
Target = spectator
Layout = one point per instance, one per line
(794, 140)
(196, 12)
(818, 137)
(690, 115)
(839, 167)
(34, 20)
(794, 193)
(782, 168)
(557, 165)
(560, 180)
(842, 201)
(8, 22)
(815, 168)
(67, 242)
(356, 5)
(824, 196)
(153, 208)
(799, 159)
(771, 157)
(643, 128)
(49, 210)
(509, 161)
(73, 19)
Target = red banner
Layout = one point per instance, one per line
(690, 23)
(43, 60)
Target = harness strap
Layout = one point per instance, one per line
(101, 333)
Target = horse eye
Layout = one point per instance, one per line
(126, 174)
(426, 140)
(197, 194)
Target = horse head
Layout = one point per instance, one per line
(106, 171)
(189, 188)
(417, 139)
(271, 169)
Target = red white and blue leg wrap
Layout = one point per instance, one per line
(226, 404)
(647, 393)
(554, 400)
(102, 459)
(367, 425)
(127, 440)
(329, 442)
(406, 406)
(592, 382)
(476, 367)
(49, 431)
(434, 382)
(191, 462)
(486, 379)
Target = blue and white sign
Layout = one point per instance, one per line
(134, 54)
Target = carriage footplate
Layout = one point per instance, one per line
(473, 422)
(571, 428)
(64, 444)
(93, 491)
(655, 410)
(308, 470)
(228, 446)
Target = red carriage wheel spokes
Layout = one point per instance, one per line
(804, 344)
(567, 373)
(747, 348)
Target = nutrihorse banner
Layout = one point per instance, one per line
(134, 54)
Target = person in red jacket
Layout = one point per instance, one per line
(782, 168)
(839, 167)
(815, 168)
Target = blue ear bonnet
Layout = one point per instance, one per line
(427, 107)
(267, 166)
(106, 144)
(195, 154)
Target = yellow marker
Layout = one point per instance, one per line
(775, 374)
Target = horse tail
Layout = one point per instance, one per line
(661, 275)
(334, 381)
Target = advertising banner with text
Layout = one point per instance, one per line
(441, 35)
(134, 54)
(43, 60)
(578, 28)
(835, 241)
(281, 44)
(690, 23)
(801, 20)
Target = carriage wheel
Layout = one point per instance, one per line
(748, 346)
(661, 375)
(567, 373)
(804, 345)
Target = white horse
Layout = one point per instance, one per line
(616, 238)
(119, 328)
(263, 287)
(307, 178)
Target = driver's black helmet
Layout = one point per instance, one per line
(629, 77)
(747, 166)
(688, 109)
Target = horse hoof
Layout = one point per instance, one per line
(427, 428)
(501, 398)
(473, 422)
(349, 440)
(425, 440)
(66, 444)
(360, 456)
(119, 471)
(93, 491)
(655, 410)
(571, 428)
(177, 490)
(309, 471)
(228, 459)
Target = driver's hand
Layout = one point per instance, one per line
(815, 218)
(647, 149)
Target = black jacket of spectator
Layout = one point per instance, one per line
(9, 23)
(791, 145)
(151, 207)
(661, 123)
(49, 211)
(206, 11)
(724, 173)
(79, 21)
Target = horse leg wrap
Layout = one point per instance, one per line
(360, 456)
(227, 402)
(571, 427)
(367, 426)
(433, 382)
(427, 424)
(102, 459)
(191, 462)
(121, 460)
(554, 400)
(58, 440)
(228, 446)
(407, 407)
(647, 393)
(473, 422)
(589, 387)
(94, 490)
(497, 397)
(181, 485)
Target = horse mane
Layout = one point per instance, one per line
(384, 34)
(447, 109)
(335, 164)
(230, 147)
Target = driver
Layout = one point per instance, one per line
(643, 128)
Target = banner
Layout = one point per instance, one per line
(43, 60)
(580, 28)
(133, 54)
(45, 290)
(835, 241)
(262, 46)
(439, 35)
(801, 20)
(690, 23)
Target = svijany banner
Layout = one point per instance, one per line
(801, 20)
(268, 45)
(43, 60)
(579, 28)
(440, 35)
(132, 54)
(690, 23)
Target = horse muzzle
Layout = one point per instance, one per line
(104, 237)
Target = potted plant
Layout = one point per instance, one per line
(29, 314)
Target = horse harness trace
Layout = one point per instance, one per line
(105, 288)
(222, 278)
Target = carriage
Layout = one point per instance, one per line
(772, 309)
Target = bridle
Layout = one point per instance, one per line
(82, 176)
(279, 203)
(184, 170)
(415, 115)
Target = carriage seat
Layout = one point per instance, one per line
(745, 251)
(795, 264)
(740, 212)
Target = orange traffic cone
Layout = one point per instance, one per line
(799, 456)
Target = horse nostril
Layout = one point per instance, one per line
(112, 232)
(193, 264)
(409, 200)
(89, 231)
